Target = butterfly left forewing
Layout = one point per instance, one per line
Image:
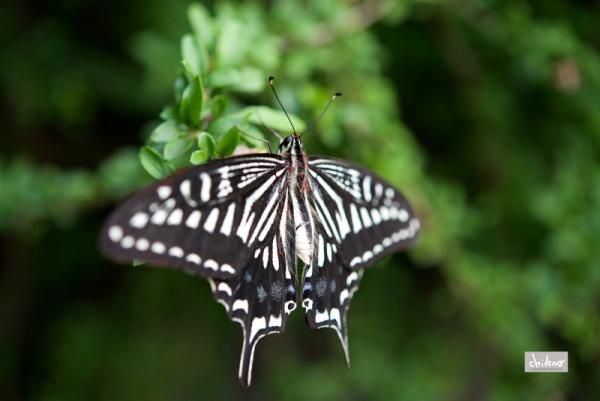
(365, 216)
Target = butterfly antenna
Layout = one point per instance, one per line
(314, 123)
(271, 130)
(271, 79)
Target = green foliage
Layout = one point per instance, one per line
(214, 67)
(485, 114)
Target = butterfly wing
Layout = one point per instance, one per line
(359, 219)
(364, 215)
(228, 221)
(205, 221)
(328, 287)
(263, 296)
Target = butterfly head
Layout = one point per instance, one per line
(291, 143)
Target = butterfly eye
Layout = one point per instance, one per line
(285, 143)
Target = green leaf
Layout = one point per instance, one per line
(251, 135)
(168, 113)
(220, 126)
(206, 142)
(192, 55)
(190, 108)
(178, 87)
(154, 164)
(201, 24)
(199, 156)
(217, 105)
(228, 142)
(165, 131)
(274, 119)
(245, 79)
(176, 147)
(232, 44)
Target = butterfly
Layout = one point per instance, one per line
(242, 222)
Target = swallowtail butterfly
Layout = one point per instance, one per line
(242, 221)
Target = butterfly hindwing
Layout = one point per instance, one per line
(264, 294)
(364, 215)
(359, 218)
(204, 220)
(327, 288)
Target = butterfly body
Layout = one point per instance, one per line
(299, 187)
(241, 222)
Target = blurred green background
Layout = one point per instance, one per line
(485, 113)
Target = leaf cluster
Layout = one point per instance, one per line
(206, 121)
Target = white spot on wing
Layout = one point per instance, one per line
(290, 306)
(351, 278)
(367, 188)
(186, 191)
(334, 314)
(275, 255)
(159, 217)
(321, 252)
(115, 233)
(139, 220)
(175, 217)
(403, 215)
(224, 287)
(163, 191)
(127, 242)
(211, 264)
(206, 183)
(193, 258)
(227, 268)
(356, 224)
(193, 219)
(211, 220)
(240, 304)
(376, 216)
(364, 213)
(275, 321)
(385, 213)
(158, 247)
(321, 317)
(355, 260)
(266, 257)
(343, 296)
(176, 252)
(228, 220)
(258, 323)
(142, 244)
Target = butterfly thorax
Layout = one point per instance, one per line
(298, 187)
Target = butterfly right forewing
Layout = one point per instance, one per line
(204, 220)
